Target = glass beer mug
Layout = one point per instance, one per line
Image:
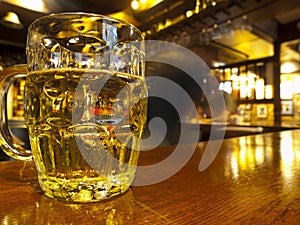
(85, 105)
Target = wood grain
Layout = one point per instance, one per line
(253, 180)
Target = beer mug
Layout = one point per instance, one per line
(85, 105)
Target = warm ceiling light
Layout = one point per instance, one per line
(11, 20)
(288, 67)
(143, 5)
(189, 13)
(36, 5)
(135, 4)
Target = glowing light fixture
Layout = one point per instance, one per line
(288, 67)
(268, 91)
(142, 5)
(260, 88)
(135, 4)
(286, 89)
(11, 20)
(35, 5)
(189, 13)
(243, 86)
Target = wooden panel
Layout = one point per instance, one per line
(253, 180)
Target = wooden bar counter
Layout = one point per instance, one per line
(254, 179)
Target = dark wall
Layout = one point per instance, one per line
(158, 107)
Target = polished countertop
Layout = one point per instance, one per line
(254, 179)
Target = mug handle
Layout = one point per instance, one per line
(7, 142)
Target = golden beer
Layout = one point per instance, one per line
(85, 130)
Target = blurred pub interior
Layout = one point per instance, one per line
(251, 46)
